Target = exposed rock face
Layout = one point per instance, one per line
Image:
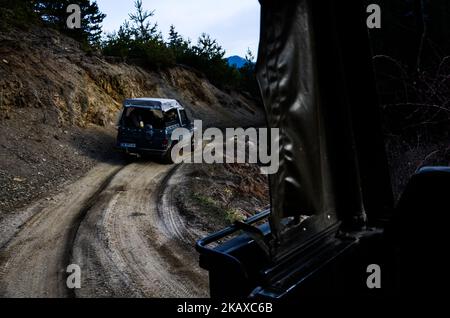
(41, 68)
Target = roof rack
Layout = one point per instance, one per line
(153, 103)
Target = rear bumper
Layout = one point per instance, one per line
(146, 151)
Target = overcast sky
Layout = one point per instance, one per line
(234, 23)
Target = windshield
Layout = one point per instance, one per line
(137, 117)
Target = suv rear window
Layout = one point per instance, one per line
(171, 117)
(137, 117)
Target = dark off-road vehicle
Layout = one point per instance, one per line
(146, 125)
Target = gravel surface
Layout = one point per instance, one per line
(109, 224)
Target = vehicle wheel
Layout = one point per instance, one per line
(167, 157)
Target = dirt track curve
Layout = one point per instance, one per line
(118, 225)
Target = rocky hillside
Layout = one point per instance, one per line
(59, 106)
(42, 69)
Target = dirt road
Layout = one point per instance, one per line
(117, 225)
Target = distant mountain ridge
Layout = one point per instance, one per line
(236, 61)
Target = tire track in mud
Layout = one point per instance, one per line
(168, 212)
(109, 224)
(33, 261)
(125, 248)
(76, 225)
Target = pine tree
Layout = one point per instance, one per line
(209, 48)
(249, 59)
(174, 38)
(54, 13)
(18, 13)
(93, 19)
(119, 43)
(178, 44)
(143, 29)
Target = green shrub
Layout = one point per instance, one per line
(140, 40)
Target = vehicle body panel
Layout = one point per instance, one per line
(149, 132)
